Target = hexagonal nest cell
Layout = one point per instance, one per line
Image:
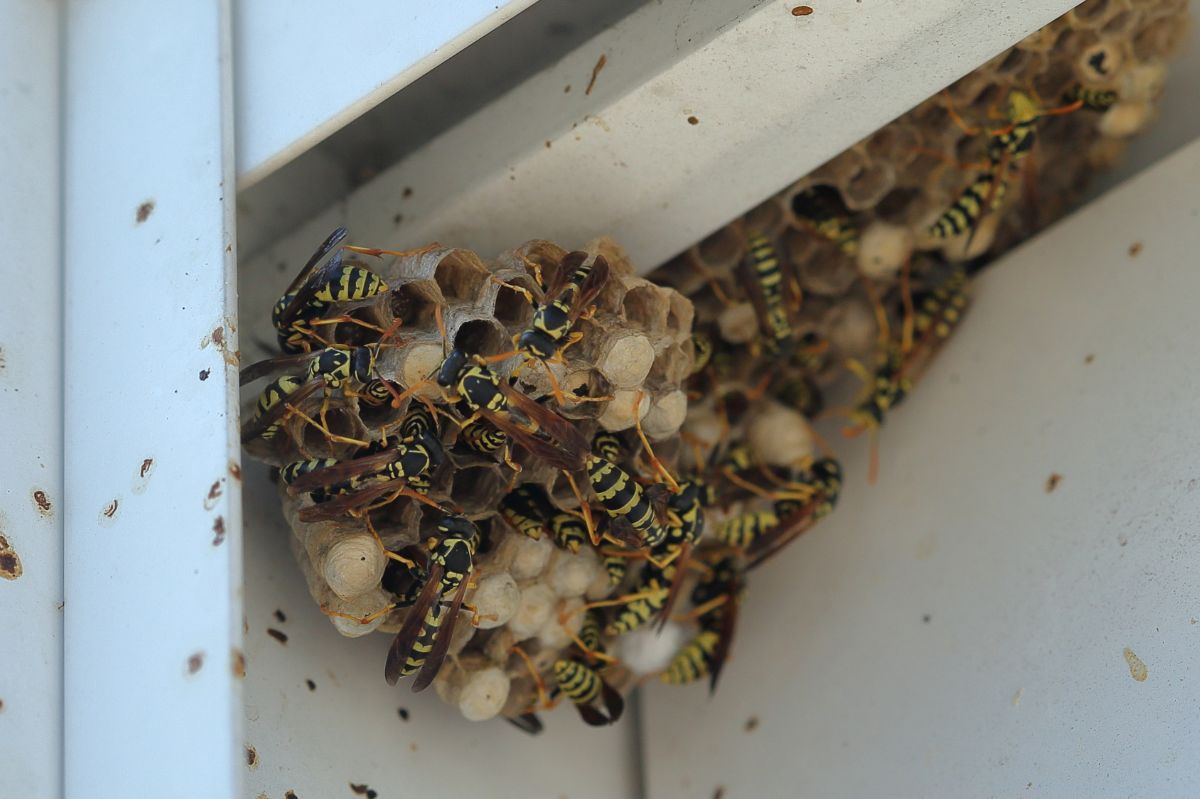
(833, 294)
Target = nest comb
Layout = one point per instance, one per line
(635, 348)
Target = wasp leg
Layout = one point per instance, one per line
(331, 436)
(654, 461)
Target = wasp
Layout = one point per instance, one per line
(424, 638)
(330, 369)
(583, 685)
(796, 518)
(821, 210)
(374, 472)
(487, 397)
(763, 274)
(577, 283)
(317, 287)
(527, 509)
(576, 678)
(1006, 147)
(715, 602)
(936, 314)
(684, 528)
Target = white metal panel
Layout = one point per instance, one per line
(346, 726)
(30, 404)
(153, 544)
(959, 629)
(305, 69)
(773, 96)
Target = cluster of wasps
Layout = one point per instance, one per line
(643, 517)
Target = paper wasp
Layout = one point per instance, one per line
(715, 603)
(424, 638)
(371, 478)
(330, 369)
(576, 284)
(315, 288)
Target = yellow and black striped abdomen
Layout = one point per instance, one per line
(693, 661)
(616, 567)
(578, 682)
(987, 189)
(425, 639)
(741, 531)
(622, 496)
(591, 631)
(652, 591)
(351, 283)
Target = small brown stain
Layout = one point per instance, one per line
(144, 210)
(412, 747)
(217, 336)
(42, 502)
(110, 510)
(927, 618)
(237, 663)
(251, 756)
(567, 89)
(218, 531)
(801, 11)
(10, 564)
(1137, 669)
(214, 494)
(1052, 482)
(195, 662)
(751, 724)
(1135, 249)
(235, 471)
(312, 686)
(408, 192)
(1, 705)
(361, 790)
(397, 219)
(1090, 358)
(547, 144)
(278, 635)
(147, 467)
(290, 794)
(600, 62)
(403, 713)
(279, 616)
(204, 373)
(719, 793)
(692, 120)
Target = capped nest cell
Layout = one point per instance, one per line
(585, 512)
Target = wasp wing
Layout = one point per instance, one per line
(402, 644)
(728, 627)
(614, 703)
(271, 366)
(441, 644)
(341, 471)
(256, 426)
(316, 279)
(526, 722)
(680, 563)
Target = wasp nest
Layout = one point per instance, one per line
(624, 366)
